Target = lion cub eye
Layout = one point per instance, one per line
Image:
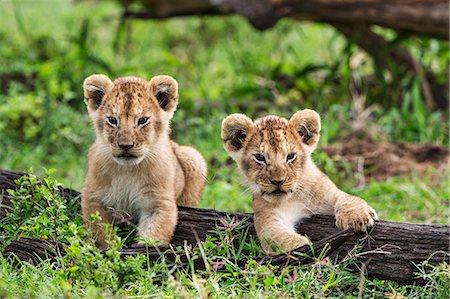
(259, 158)
(142, 121)
(112, 121)
(291, 157)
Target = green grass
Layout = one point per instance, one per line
(85, 272)
(223, 66)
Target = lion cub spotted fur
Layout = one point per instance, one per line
(133, 166)
(275, 156)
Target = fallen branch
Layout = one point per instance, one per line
(425, 17)
(390, 251)
(353, 18)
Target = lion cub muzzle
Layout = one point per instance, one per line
(126, 155)
(126, 152)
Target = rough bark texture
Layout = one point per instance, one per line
(425, 17)
(390, 251)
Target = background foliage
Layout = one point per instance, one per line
(223, 66)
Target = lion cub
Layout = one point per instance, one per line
(133, 166)
(275, 156)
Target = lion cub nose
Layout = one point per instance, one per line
(126, 146)
(277, 183)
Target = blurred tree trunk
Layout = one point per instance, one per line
(423, 17)
(390, 57)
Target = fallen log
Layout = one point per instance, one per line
(35, 251)
(424, 17)
(391, 250)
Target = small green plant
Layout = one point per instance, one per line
(40, 211)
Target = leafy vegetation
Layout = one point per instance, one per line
(223, 66)
(86, 272)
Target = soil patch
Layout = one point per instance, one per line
(383, 160)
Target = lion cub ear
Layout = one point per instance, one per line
(235, 130)
(95, 87)
(307, 124)
(165, 90)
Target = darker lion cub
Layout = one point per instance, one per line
(275, 156)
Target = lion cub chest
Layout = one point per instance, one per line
(292, 212)
(127, 194)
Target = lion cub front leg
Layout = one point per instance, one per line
(275, 232)
(353, 212)
(157, 223)
(275, 237)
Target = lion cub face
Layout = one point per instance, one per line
(272, 151)
(130, 114)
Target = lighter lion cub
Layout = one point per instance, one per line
(275, 156)
(133, 166)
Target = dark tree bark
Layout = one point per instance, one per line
(390, 251)
(424, 17)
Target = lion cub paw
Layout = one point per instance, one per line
(357, 216)
(297, 242)
(149, 242)
(287, 244)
